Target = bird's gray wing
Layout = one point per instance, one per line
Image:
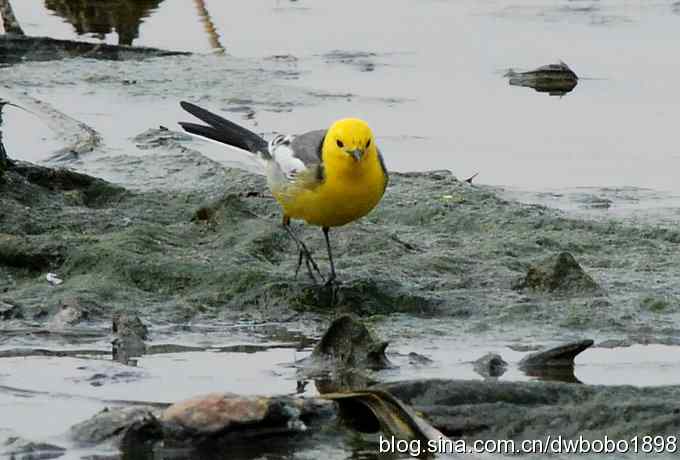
(307, 147)
(298, 158)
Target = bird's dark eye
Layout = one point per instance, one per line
(340, 144)
(368, 143)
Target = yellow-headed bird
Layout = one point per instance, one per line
(327, 177)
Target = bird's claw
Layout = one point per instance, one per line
(332, 281)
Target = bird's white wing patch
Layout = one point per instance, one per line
(283, 155)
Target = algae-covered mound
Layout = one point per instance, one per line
(434, 246)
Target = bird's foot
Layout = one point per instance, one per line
(332, 281)
(329, 291)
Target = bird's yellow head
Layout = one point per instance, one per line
(348, 139)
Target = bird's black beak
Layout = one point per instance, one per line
(356, 154)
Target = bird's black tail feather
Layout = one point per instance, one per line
(223, 130)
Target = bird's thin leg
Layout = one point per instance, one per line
(331, 278)
(304, 253)
(299, 264)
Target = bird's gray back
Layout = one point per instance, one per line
(307, 147)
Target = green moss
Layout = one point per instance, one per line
(655, 305)
(173, 254)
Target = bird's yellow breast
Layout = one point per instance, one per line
(350, 190)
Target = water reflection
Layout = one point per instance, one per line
(102, 17)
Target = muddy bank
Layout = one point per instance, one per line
(20, 48)
(454, 249)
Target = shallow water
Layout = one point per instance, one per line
(74, 388)
(428, 77)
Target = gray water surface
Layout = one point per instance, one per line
(427, 76)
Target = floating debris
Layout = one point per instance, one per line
(386, 413)
(554, 79)
(471, 178)
(53, 279)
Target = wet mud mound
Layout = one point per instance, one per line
(453, 249)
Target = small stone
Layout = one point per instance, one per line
(131, 334)
(216, 412)
(491, 365)
(561, 356)
(10, 311)
(615, 343)
(111, 424)
(349, 343)
(71, 312)
(558, 274)
(125, 324)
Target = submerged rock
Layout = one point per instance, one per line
(130, 336)
(556, 363)
(555, 79)
(559, 274)
(16, 447)
(412, 410)
(491, 365)
(561, 356)
(202, 421)
(113, 425)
